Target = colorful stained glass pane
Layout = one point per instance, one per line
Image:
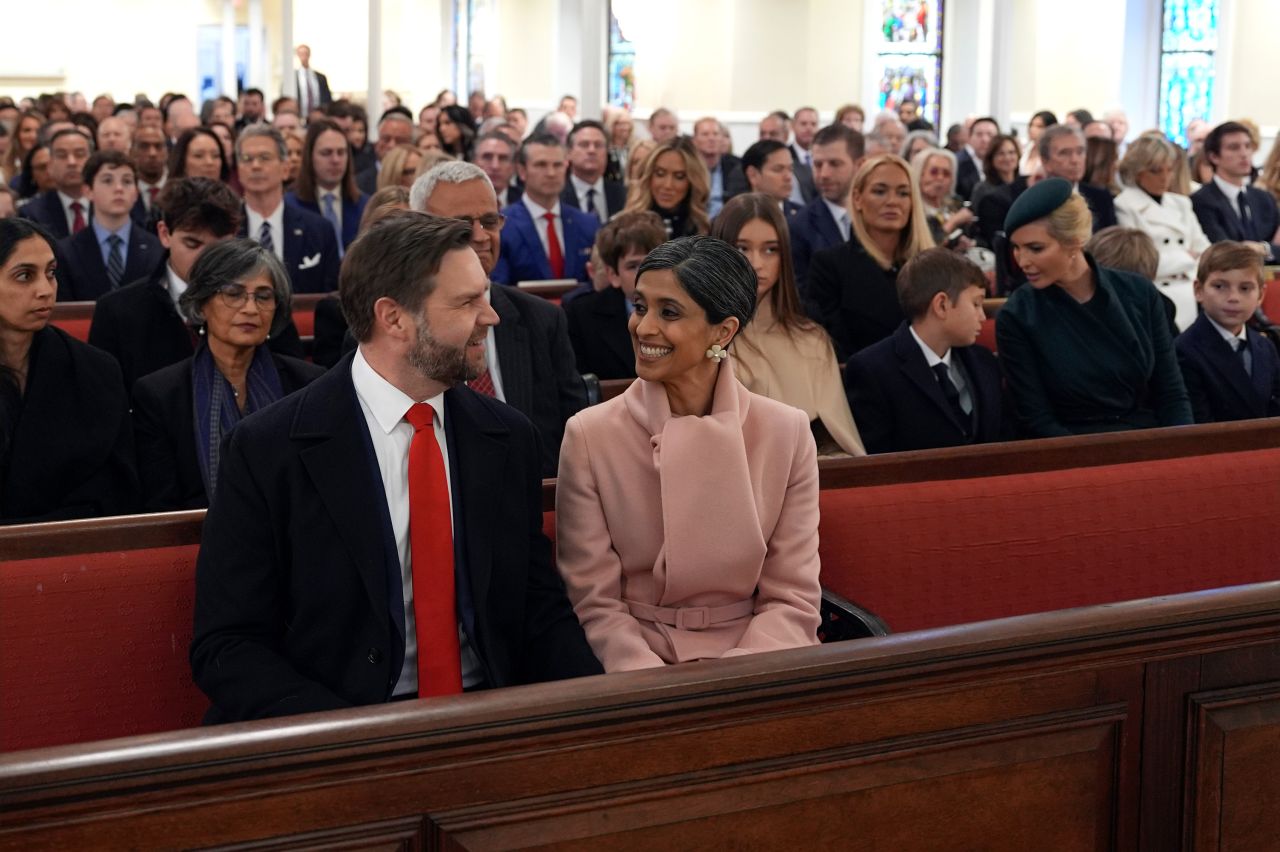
(1190, 25)
(916, 77)
(910, 26)
(622, 62)
(909, 55)
(1186, 91)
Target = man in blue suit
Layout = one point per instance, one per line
(824, 222)
(114, 250)
(63, 210)
(304, 242)
(543, 239)
(326, 184)
(1227, 207)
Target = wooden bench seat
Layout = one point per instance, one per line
(1151, 725)
(95, 616)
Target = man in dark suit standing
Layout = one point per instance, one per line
(824, 222)
(1062, 155)
(113, 250)
(63, 210)
(586, 189)
(969, 169)
(307, 86)
(378, 535)
(1227, 207)
(804, 127)
(530, 362)
(725, 170)
(543, 238)
(305, 243)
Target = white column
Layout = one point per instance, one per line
(567, 47)
(255, 74)
(286, 47)
(374, 103)
(228, 82)
(593, 91)
(1140, 80)
(976, 61)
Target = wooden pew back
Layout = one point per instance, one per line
(1146, 725)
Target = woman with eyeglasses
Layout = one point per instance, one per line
(237, 297)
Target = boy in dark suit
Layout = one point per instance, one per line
(1231, 372)
(927, 385)
(598, 320)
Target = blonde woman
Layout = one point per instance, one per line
(620, 131)
(1084, 348)
(852, 288)
(674, 184)
(399, 167)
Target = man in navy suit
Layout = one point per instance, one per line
(325, 577)
(969, 171)
(1231, 371)
(586, 189)
(113, 250)
(542, 238)
(1227, 207)
(767, 166)
(63, 210)
(303, 241)
(725, 170)
(927, 385)
(824, 223)
(804, 127)
(327, 180)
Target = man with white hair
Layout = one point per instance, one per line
(891, 130)
(1119, 123)
(530, 359)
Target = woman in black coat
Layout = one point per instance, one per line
(66, 447)
(852, 290)
(238, 296)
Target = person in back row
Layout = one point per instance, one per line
(1231, 371)
(139, 323)
(928, 385)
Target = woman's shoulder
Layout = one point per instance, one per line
(604, 416)
(772, 414)
(299, 372)
(59, 350)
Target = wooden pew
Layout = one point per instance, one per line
(1151, 725)
(78, 647)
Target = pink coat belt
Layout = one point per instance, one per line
(691, 617)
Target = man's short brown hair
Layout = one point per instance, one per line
(398, 258)
(199, 204)
(115, 159)
(934, 271)
(1227, 256)
(640, 230)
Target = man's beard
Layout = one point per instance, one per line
(439, 361)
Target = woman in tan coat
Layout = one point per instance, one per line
(783, 354)
(687, 507)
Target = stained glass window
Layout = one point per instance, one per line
(622, 62)
(909, 55)
(473, 32)
(1187, 49)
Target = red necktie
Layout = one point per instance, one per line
(554, 256)
(77, 225)
(483, 384)
(431, 555)
(152, 191)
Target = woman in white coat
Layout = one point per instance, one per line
(1148, 205)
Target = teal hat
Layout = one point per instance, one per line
(1036, 203)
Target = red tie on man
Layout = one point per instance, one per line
(554, 256)
(78, 223)
(431, 554)
(483, 383)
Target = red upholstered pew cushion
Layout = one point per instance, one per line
(930, 554)
(94, 646)
(77, 327)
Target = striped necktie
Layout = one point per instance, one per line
(264, 237)
(115, 260)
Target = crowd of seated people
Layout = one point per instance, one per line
(820, 295)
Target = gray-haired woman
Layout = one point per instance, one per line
(687, 507)
(237, 297)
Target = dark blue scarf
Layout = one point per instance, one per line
(216, 412)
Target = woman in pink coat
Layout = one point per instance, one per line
(687, 507)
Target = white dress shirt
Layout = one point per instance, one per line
(1235, 341)
(491, 351)
(384, 406)
(276, 220)
(954, 370)
(337, 207)
(977, 161)
(1232, 192)
(540, 225)
(841, 215)
(67, 201)
(176, 286)
(580, 188)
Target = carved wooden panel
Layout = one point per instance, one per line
(1233, 800)
(397, 835)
